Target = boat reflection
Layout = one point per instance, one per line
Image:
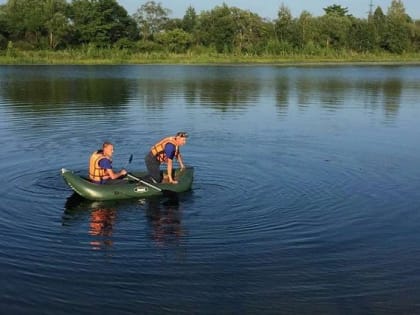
(163, 217)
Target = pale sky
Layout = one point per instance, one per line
(270, 8)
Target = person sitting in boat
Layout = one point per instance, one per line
(164, 152)
(100, 165)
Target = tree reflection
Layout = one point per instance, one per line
(392, 96)
(222, 94)
(334, 91)
(46, 93)
(282, 94)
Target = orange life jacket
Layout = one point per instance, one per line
(97, 173)
(158, 150)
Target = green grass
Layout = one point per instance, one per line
(114, 56)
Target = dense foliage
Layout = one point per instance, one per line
(27, 25)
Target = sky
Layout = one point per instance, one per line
(270, 8)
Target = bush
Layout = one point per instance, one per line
(124, 43)
(3, 42)
(148, 46)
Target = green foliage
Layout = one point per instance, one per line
(151, 18)
(397, 30)
(336, 9)
(361, 37)
(99, 27)
(3, 42)
(124, 43)
(333, 30)
(230, 29)
(102, 22)
(148, 46)
(10, 51)
(175, 41)
(415, 35)
(216, 28)
(189, 21)
(285, 26)
(304, 30)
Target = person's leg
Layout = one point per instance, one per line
(153, 167)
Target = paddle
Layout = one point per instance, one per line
(144, 182)
(129, 161)
(169, 193)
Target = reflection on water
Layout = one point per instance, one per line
(165, 220)
(304, 200)
(221, 94)
(222, 88)
(163, 217)
(392, 91)
(55, 95)
(102, 221)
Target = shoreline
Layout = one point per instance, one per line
(105, 57)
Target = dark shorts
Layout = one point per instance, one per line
(153, 167)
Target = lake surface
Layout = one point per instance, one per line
(306, 195)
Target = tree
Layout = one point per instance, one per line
(151, 18)
(304, 30)
(101, 22)
(175, 41)
(379, 27)
(397, 34)
(231, 29)
(284, 25)
(189, 22)
(416, 36)
(361, 36)
(57, 23)
(249, 31)
(336, 9)
(26, 20)
(333, 31)
(217, 28)
(4, 34)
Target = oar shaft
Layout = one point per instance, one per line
(129, 161)
(143, 182)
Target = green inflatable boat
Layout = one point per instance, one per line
(132, 186)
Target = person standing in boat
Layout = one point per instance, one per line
(164, 152)
(100, 165)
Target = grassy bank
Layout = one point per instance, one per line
(110, 56)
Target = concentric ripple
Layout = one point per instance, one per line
(304, 198)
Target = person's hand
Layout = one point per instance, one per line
(123, 172)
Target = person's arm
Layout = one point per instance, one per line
(106, 164)
(170, 167)
(170, 154)
(114, 175)
(180, 161)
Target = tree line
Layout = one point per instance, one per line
(60, 25)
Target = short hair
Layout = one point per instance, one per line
(105, 144)
(182, 134)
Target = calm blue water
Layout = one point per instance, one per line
(305, 199)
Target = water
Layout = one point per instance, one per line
(305, 198)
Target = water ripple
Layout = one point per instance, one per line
(304, 193)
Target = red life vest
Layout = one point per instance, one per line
(97, 173)
(158, 150)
